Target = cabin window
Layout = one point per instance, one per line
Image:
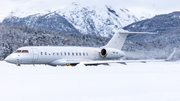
(57, 53)
(25, 51)
(87, 54)
(80, 54)
(18, 51)
(41, 53)
(64, 53)
(68, 53)
(61, 53)
(73, 54)
(45, 53)
(84, 54)
(53, 53)
(76, 54)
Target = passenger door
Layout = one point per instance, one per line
(35, 55)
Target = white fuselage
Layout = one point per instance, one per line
(57, 55)
(71, 55)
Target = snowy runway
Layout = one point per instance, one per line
(157, 81)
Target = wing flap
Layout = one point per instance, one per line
(124, 62)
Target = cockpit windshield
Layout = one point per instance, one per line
(21, 51)
(18, 51)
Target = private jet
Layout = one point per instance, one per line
(66, 56)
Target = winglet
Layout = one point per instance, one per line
(170, 57)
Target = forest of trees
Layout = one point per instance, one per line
(13, 37)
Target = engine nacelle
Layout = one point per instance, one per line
(111, 53)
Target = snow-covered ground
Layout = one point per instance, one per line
(156, 81)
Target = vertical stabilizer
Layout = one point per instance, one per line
(117, 41)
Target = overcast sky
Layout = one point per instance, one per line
(150, 6)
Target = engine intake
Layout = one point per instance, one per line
(111, 53)
(103, 53)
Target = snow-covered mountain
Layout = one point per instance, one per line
(166, 25)
(87, 19)
(23, 13)
(50, 21)
(102, 21)
(99, 20)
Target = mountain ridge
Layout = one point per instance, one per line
(86, 19)
(51, 21)
(166, 25)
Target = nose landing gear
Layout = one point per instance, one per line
(18, 64)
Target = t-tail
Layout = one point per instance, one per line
(117, 41)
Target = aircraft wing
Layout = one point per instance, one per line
(106, 62)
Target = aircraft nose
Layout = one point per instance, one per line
(9, 59)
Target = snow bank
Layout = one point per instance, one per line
(157, 81)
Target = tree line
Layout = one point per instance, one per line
(13, 37)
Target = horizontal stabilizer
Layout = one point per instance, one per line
(137, 33)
